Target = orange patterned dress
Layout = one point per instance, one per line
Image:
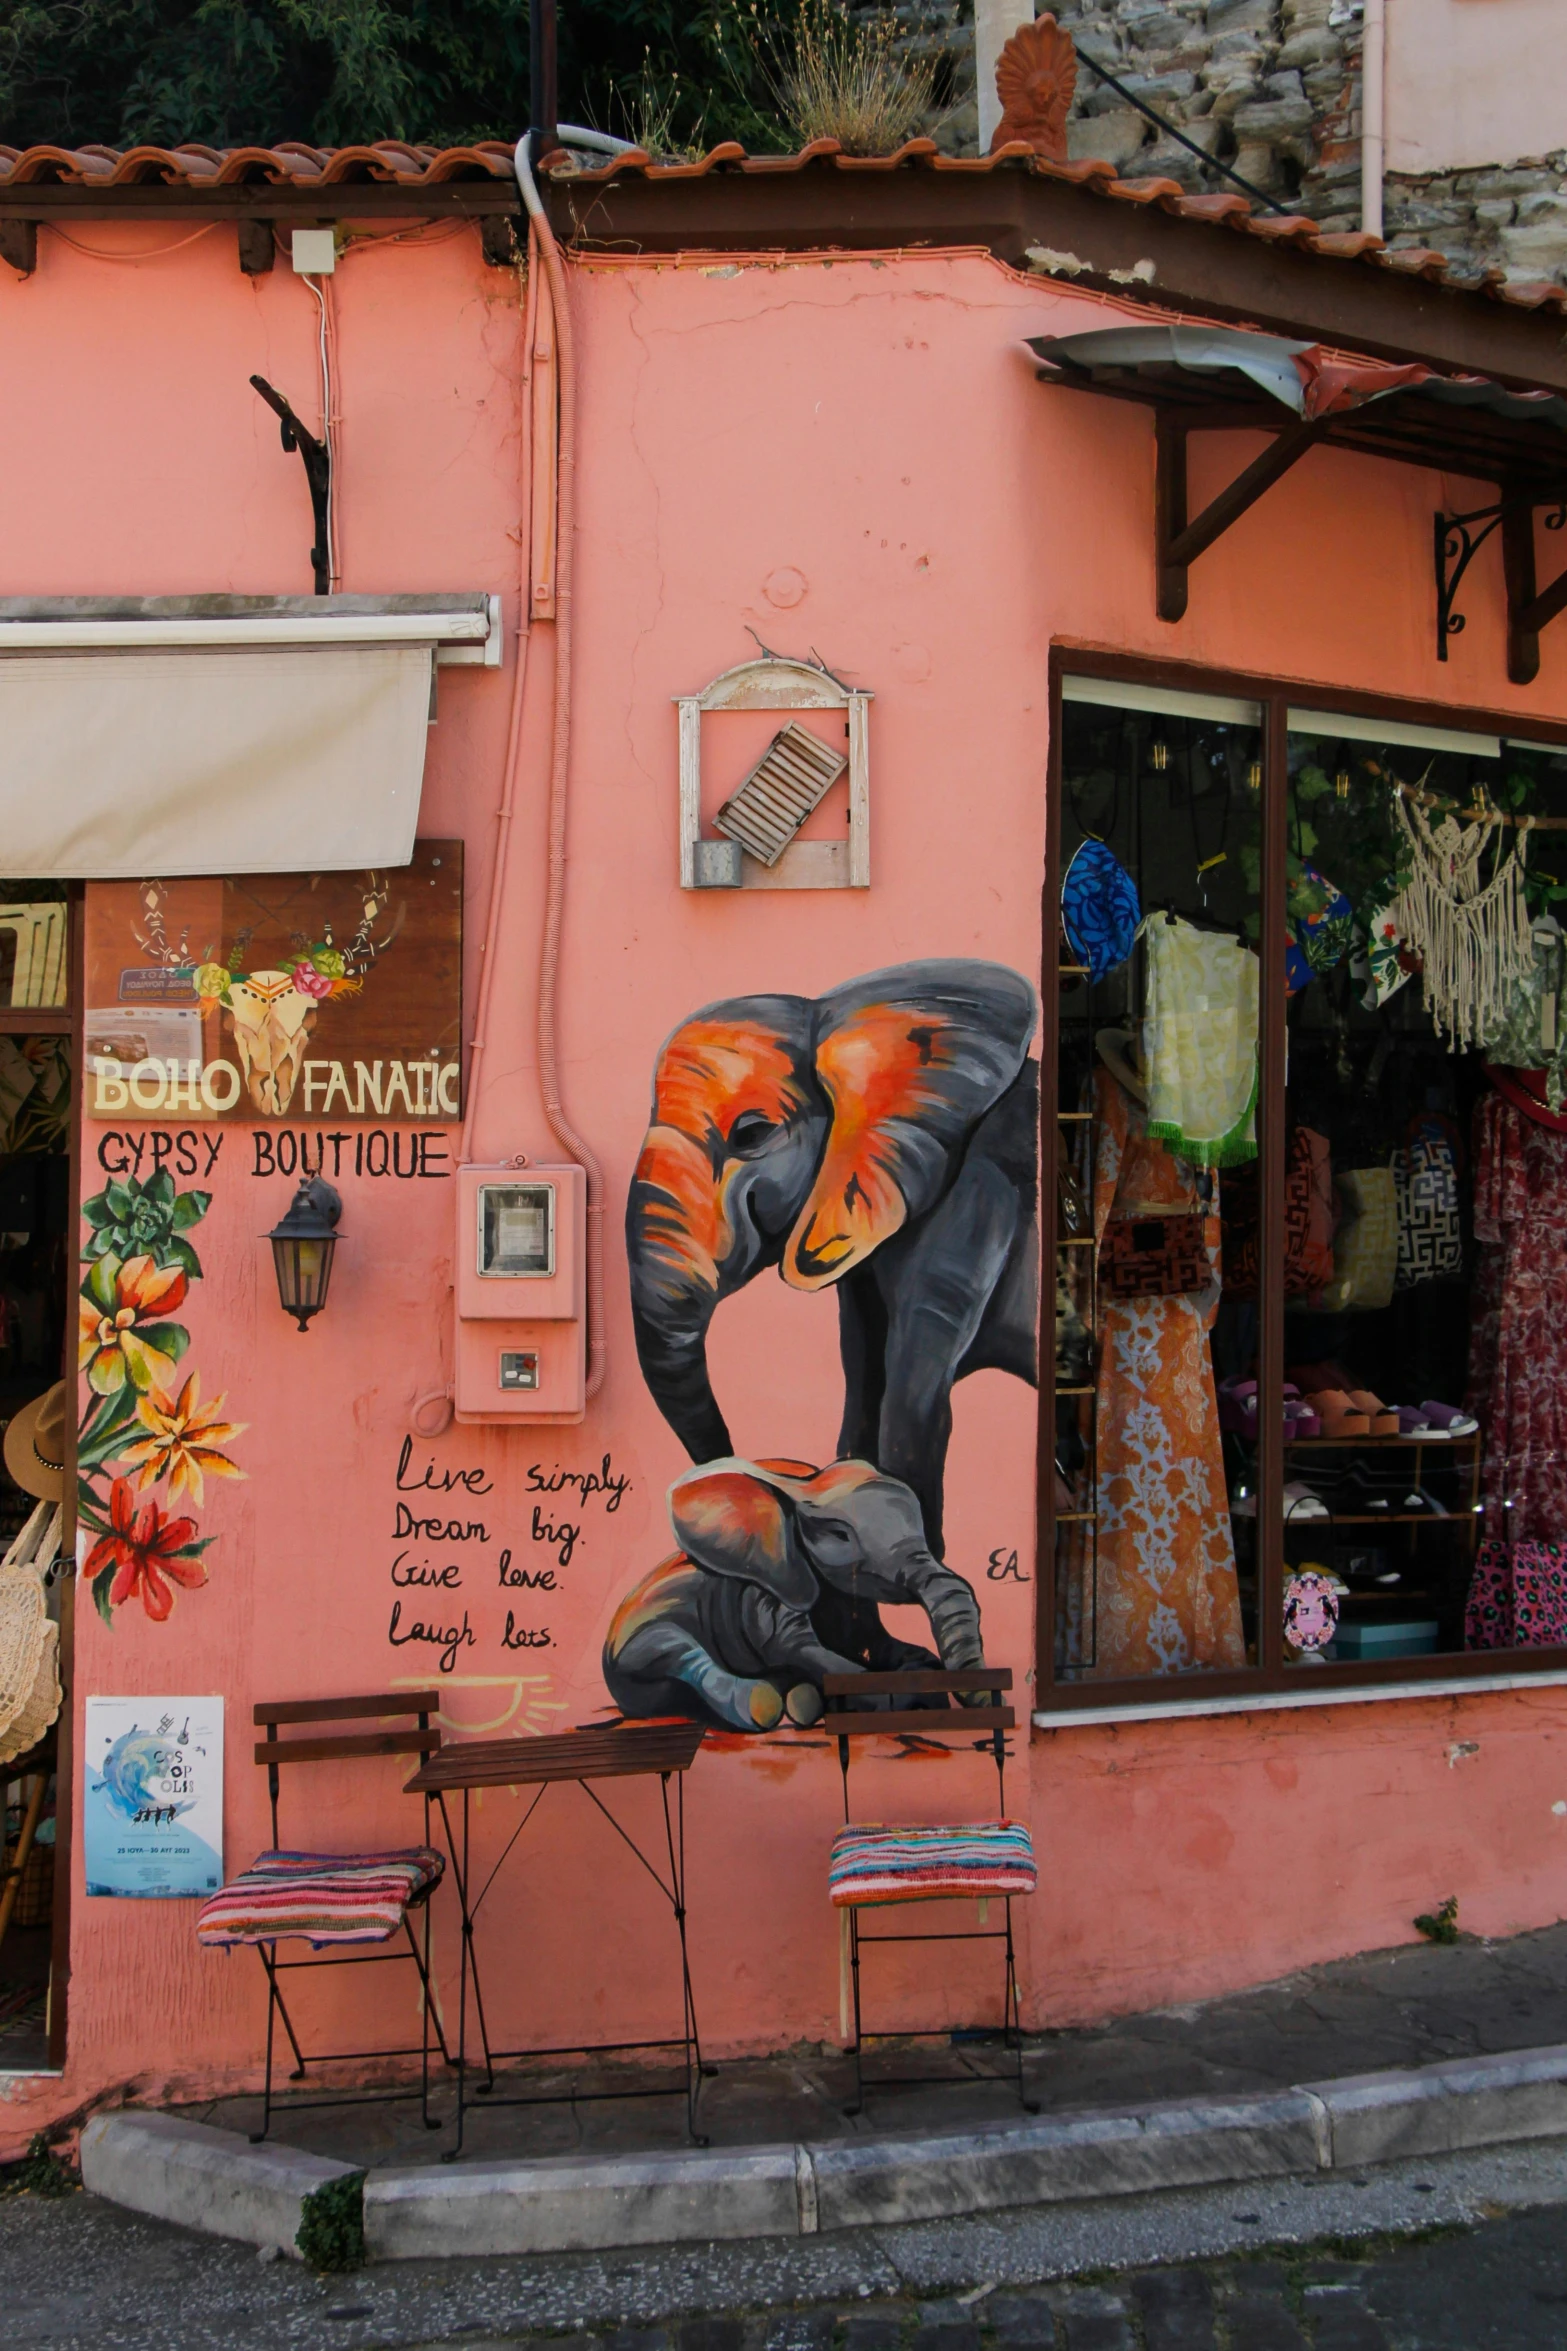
(1161, 1596)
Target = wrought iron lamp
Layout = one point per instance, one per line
(303, 1247)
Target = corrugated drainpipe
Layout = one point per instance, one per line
(1373, 114)
(542, 241)
(542, 246)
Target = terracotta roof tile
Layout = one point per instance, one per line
(391, 162)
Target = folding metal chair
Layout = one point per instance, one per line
(335, 1898)
(872, 1865)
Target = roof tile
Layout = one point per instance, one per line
(291, 163)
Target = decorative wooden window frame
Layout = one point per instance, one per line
(776, 684)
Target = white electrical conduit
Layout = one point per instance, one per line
(541, 243)
(1373, 115)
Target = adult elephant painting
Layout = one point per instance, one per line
(880, 1140)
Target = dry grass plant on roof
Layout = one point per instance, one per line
(836, 76)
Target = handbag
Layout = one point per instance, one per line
(1517, 1597)
(1156, 1256)
(1308, 1221)
(1430, 1231)
(1365, 1247)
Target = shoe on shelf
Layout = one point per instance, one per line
(1338, 1414)
(1414, 1421)
(1238, 1411)
(1449, 1419)
(1299, 1503)
(1381, 1419)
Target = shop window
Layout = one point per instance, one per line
(1307, 1400)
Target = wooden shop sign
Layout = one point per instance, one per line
(322, 996)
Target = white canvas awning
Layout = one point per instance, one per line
(257, 737)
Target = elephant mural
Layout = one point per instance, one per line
(777, 1582)
(881, 1139)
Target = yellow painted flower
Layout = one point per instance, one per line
(117, 1297)
(213, 979)
(185, 1441)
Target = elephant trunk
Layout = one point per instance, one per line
(674, 1289)
(950, 1604)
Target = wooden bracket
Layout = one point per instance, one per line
(19, 244)
(257, 246)
(1179, 542)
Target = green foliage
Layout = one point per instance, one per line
(132, 1219)
(332, 2224)
(1440, 1926)
(228, 73)
(40, 2172)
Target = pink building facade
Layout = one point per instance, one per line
(843, 456)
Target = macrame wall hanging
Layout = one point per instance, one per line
(1474, 937)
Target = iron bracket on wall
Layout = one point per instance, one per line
(318, 473)
(1458, 538)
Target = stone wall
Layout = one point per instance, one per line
(1272, 88)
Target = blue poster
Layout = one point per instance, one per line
(152, 1797)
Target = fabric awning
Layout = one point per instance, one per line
(116, 765)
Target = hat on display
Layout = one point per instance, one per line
(1525, 1089)
(1121, 1052)
(35, 1445)
(1099, 908)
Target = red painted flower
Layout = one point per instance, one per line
(145, 1547)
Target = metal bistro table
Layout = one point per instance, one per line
(633, 1750)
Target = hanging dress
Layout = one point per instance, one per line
(1518, 1351)
(1162, 1597)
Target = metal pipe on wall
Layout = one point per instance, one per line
(1373, 115)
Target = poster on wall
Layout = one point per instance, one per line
(322, 996)
(152, 1803)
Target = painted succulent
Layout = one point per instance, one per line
(131, 1219)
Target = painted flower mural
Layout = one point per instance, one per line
(143, 1425)
(271, 1013)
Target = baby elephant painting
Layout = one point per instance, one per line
(779, 1580)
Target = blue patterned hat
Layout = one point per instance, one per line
(1099, 908)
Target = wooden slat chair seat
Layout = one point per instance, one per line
(876, 1865)
(335, 1901)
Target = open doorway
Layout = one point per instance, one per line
(39, 1137)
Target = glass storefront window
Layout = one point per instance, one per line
(1156, 1107)
(1308, 1402)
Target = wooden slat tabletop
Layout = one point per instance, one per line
(610, 1753)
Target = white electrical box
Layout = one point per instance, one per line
(521, 1293)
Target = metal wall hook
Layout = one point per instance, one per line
(318, 473)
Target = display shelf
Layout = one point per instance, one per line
(1470, 1437)
(1074, 1517)
(1063, 1117)
(1077, 1241)
(1085, 1391)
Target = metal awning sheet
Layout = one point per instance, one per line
(1463, 424)
(118, 765)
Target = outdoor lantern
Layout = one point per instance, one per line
(302, 1249)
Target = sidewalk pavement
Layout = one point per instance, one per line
(1420, 2005)
(1398, 2054)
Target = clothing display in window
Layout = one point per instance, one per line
(1530, 1033)
(1200, 1035)
(1518, 1353)
(1167, 1599)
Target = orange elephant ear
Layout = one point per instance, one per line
(737, 1520)
(909, 1059)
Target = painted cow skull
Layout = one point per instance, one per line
(270, 1022)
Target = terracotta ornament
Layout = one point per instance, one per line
(1036, 75)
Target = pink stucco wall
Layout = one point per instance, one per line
(874, 426)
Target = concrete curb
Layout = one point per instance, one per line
(205, 2179)
(214, 2180)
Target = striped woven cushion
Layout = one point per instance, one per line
(324, 1897)
(976, 1857)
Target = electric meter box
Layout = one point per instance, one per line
(521, 1284)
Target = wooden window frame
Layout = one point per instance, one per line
(1270, 1676)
